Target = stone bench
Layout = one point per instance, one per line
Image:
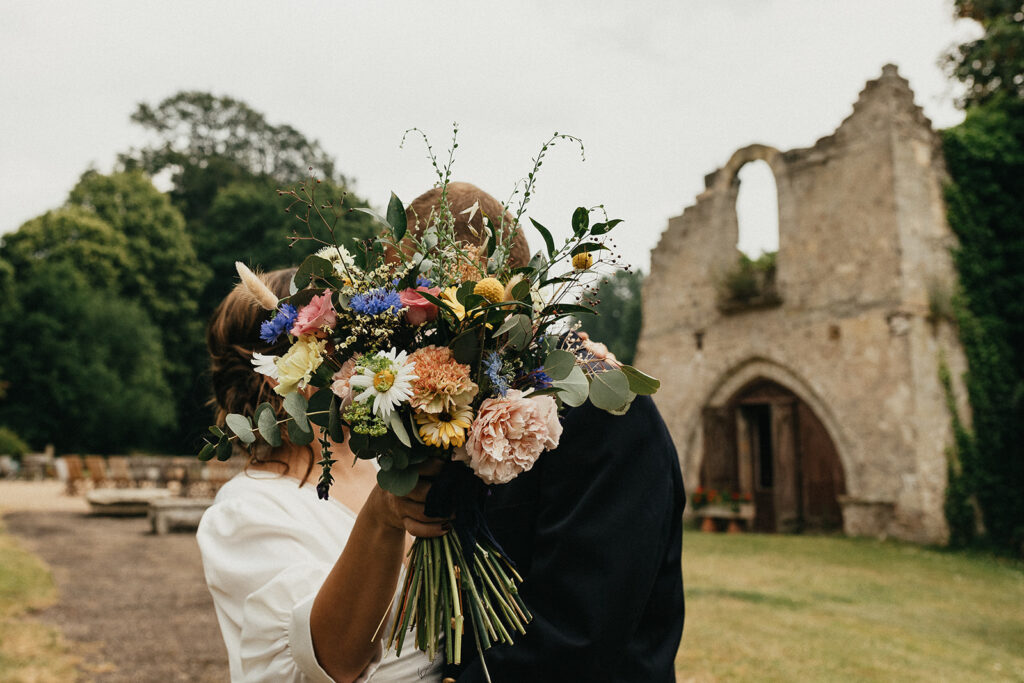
(168, 513)
(124, 502)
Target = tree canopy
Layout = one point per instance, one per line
(992, 65)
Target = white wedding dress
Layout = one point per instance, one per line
(267, 546)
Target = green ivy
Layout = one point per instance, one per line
(985, 158)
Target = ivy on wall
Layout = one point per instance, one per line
(985, 201)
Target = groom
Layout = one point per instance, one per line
(595, 528)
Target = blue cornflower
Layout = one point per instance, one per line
(271, 329)
(535, 379)
(376, 301)
(492, 367)
(424, 282)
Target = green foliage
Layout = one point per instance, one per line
(192, 128)
(992, 65)
(247, 222)
(73, 235)
(619, 313)
(11, 443)
(748, 284)
(985, 157)
(90, 369)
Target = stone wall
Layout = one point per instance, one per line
(863, 247)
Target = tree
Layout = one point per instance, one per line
(619, 313)
(985, 158)
(992, 65)
(72, 235)
(247, 222)
(89, 371)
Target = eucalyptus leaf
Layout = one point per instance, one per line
(386, 462)
(216, 431)
(466, 347)
(296, 405)
(312, 266)
(398, 427)
(223, 448)
(370, 212)
(334, 428)
(640, 382)
(521, 334)
(609, 390)
(580, 220)
(396, 217)
(549, 242)
(559, 364)
(319, 404)
(240, 425)
(266, 422)
(575, 388)
(206, 452)
(398, 482)
(297, 436)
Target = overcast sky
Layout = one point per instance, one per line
(662, 93)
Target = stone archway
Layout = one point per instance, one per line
(762, 437)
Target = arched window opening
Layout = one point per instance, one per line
(757, 210)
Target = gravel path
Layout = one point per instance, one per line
(133, 605)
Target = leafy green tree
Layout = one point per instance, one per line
(619, 313)
(73, 235)
(985, 157)
(992, 65)
(89, 371)
(248, 222)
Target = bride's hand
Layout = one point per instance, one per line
(406, 512)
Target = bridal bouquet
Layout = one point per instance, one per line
(421, 346)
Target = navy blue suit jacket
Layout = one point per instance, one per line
(596, 531)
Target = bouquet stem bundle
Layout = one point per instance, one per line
(443, 588)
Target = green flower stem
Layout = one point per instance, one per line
(456, 597)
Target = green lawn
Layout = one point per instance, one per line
(806, 608)
(29, 650)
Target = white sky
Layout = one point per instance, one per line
(661, 92)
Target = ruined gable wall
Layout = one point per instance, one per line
(861, 227)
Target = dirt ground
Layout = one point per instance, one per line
(133, 606)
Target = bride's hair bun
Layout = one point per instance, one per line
(231, 338)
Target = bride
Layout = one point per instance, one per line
(303, 587)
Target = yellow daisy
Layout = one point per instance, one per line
(447, 428)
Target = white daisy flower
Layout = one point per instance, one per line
(265, 364)
(387, 378)
(343, 261)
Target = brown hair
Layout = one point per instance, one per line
(461, 196)
(232, 336)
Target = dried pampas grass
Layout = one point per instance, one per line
(258, 292)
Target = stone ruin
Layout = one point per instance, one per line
(823, 399)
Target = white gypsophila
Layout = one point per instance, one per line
(343, 261)
(265, 364)
(540, 297)
(387, 378)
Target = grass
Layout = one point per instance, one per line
(29, 651)
(805, 608)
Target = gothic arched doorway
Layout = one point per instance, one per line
(766, 442)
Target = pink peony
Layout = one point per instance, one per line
(339, 384)
(508, 434)
(417, 309)
(318, 313)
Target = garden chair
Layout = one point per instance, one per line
(97, 470)
(119, 473)
(76, 480)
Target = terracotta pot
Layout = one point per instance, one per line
(734, 527)
(708, 525)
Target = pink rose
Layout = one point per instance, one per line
(508, 434)
(318, 313)
(417, 309)
(339, 384)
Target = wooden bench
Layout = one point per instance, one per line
(124, 502)
(76, 480)
(168, 513)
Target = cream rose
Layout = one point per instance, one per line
(508, 434)
(296, 367)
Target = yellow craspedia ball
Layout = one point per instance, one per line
(490, 289)
(582, 260)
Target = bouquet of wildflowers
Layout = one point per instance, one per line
(421, 346)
